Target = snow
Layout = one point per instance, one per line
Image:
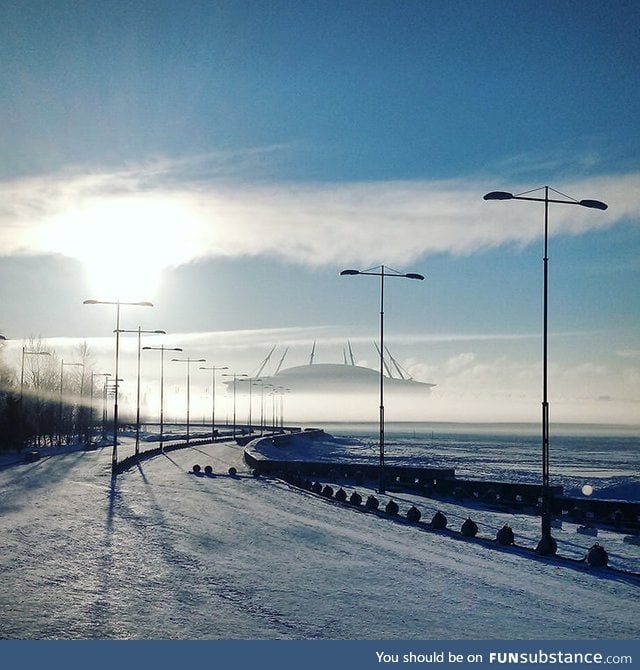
(160, 552)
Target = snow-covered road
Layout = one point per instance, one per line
(163, 553)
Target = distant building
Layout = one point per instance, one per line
(337, 378)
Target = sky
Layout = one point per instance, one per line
(226, 160)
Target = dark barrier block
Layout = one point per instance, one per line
(327, 491)
(547, 547)
(306, 485)
(597, 556)
(256, 473)
(233, 472)
(439, 521)
(491, 495)
(196, 468)
(316, 487)
(372, 503)
(617, 517)
(341, 495)
(414, 514)
(355, 498)
(208, 469)
(505, 536)
(392, 508)
(469, 528)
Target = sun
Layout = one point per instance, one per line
(125, 242)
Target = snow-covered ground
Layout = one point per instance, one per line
(163, 553)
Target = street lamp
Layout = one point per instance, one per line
(213, 396)
(235, 379)
(250, 381)
(382, 272)
(27, 353)
(93, 376)
(547, 545)
(271, 389)
(282, 392)
(162, 349)
(262, 385)
(117, 303)
(140, 331)
(188, 361)
(109, 392)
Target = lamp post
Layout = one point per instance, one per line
(282, 392)
(213, 396)
(62, 364)
(262, 385)
(140, 331)
(547, 544)
(109, 391)
(117, 303)
(28, 353)
(161, 349)
(250, 381)
(188, 361)
(271, 389)
(382, 272)
(235, 379)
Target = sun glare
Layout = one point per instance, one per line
(125, 243)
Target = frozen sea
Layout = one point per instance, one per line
(161, 553)
(607, 458)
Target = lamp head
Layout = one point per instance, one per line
(414, 275)
(350, 272)
(498, 195)
(593, 204)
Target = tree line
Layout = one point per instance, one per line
(47, 401)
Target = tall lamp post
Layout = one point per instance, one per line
(271, 389)
(140, 331)
(28, 353)
(161, 349)
(547, 545)
(188, 361)
(235, 379)
(213, 396)
(262, 385)
(93, 376)
(282, 392)
(117, 303)
(250, 381)
(382, 272)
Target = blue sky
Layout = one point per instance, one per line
(227, 159)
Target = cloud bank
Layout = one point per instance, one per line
(177, 217)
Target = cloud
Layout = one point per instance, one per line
(177, 216)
